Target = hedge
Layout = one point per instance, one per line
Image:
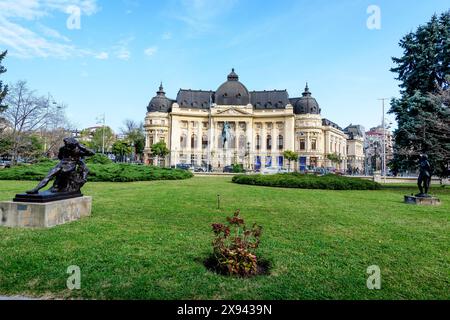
(306, 181)
(99, 172)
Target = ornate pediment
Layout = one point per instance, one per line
(233, 112)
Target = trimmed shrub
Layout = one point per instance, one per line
(99, 172)
(99, 158)
(238, 168)
(304, 181)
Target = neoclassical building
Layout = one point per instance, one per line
(262, 125)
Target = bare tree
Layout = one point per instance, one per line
(56, 128)
(27, 113)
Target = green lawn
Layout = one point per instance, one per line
(147, 240)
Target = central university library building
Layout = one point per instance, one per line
(260, 126)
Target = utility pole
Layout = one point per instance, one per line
(210, 137)
(383, 125)
(103, 134)
(102, 120)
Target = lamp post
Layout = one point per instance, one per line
(384, 132)
(248, 155)
(102, 120)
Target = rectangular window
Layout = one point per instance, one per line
(280, 161)
(258, 163)
(302, 144)
(302, 164)
(268, 162)
(313, 144)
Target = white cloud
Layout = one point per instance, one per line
(200, 15)
(122, 50)
(123, 54)
(102, 56)
(40, 40)
(52, 33)
(151, 51)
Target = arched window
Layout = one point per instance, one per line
(204, 141)
(314, 144)
(232, 141)
(280, 142)
(269, 142)
(193, 141)
(258, 142)
(183, 141)
(242, 142)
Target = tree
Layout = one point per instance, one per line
(121, 149)
(334, 158)
(27, 113)
(134, 133)
(290, 156)
(160, 150)
(3, 89)
(97, 138)
(5, 145)
(422, 110)
(56, 128)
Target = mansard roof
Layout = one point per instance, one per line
(233, 92)
(328, 123)
(195, 99)
(276, 99)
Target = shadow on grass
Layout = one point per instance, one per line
(211, 264)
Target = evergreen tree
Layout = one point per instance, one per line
(423, 121)
(3, 89)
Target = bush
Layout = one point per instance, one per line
(99, 172)
(238, 168)
(304, 181)
(99, 158)
(234, 246)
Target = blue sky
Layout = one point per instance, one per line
(114, 61)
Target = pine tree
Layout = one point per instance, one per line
(3, 89)
(423, 120)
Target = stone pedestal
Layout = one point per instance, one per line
(422, 201)
(44, 215)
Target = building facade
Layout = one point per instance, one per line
(355, 149)
(235, 126)
(375, 138)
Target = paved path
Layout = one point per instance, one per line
(3, 298)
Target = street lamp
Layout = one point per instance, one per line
(102, 120)
(248, 155)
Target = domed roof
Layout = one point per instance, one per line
(160, 103)
(306, 104)
(232, 92)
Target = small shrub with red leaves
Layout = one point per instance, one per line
(235, 246)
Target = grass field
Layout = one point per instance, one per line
(148, 240)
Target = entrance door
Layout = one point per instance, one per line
(302, 163)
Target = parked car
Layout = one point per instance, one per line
(183, 166)
(228, 169)
(199, 169)
(5, 164)
(273, 170)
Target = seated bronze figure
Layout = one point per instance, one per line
(69, 175)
